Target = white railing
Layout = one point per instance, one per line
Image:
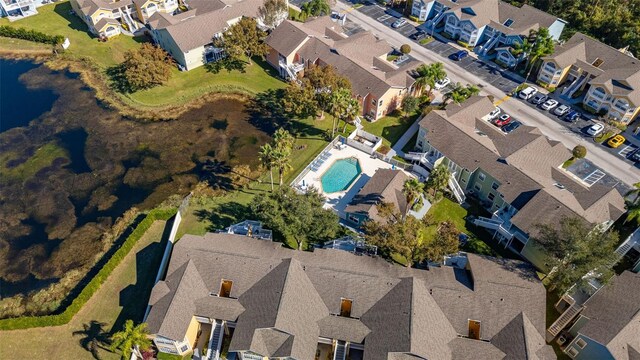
(420, 157)
(630, 242)
(215, 340)
(438, 17)
(493, 224)
(564, 319)
(456, 189)
(491, 43)
(571, 89)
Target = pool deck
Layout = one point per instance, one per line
(338, 201)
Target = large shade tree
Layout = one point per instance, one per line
(243, 38)
(146, 67)
(272, 13)
(574, 250)
(297, 217)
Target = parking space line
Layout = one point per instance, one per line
(384, 18)
(626, 151)
(594, 177)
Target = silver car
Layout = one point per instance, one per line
(561, 110)
(549, 104)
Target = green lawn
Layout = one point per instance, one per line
(390, 127)
(124, 295)
(185, 86)
(56, 19)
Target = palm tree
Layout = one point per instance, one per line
(461, 93)
(266, 158)
(543, 45)
(283, 138)
(633, 205)
(282, 159)
(438, 179)
(132, 337)
(342, 106)
(428, 75)
(522, 49)
(412, 189)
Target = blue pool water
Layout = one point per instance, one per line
(340, 175)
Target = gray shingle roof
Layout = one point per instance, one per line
(525, 162)
(285, 299)
(614, 314)
(384, 186)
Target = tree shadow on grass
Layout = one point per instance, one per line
(266, 111)
(75, 23)
(228, 64)
(118, 81)
(94, 337)
(135, 297)
(224, 215)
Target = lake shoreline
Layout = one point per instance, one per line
(94, 78)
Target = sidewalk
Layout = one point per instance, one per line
(404, 139)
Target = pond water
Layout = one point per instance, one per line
(69, 167)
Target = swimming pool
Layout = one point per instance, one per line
(340, 175)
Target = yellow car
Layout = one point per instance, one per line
(616, 141)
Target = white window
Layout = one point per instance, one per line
(481, 176)
(573, 352)
(581, 343)
(184, 348)
(491, 196)
(494, 186)
(374, 102)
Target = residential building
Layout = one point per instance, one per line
(266, 301)
(517, 177)
(188, 36)
(378, 84)
(106, 18)
(629, 250)
(605, 326)
(19, 9)
(609, 78)
(355, 245)
(489, 24)
(384, 186)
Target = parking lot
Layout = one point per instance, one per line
(580, 127)
(387, 17)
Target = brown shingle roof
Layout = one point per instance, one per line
(614, 314)
(291, 297)
(384, 186)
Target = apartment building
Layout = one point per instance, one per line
(517, 177)
(266, 301)
(606, 326)
(188, 36)
(609, 78)
(486, 24)
(378, 84)
(19, 9)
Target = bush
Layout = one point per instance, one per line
(384, 149)
(405, 48)
(579, 152)
(31, 35)
(95, 283)
(462, 43)
(414, 18)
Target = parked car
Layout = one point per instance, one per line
(538, 99)
(616, 141)
(572, 116)
(398, 23)
(595, 129)
(460, 55)
(419, 35)
(635, 156)
(503, 120)
(494, 113)
(511, 126)
(442, 83)
(527, 93)
(549, 104)
(561, 110)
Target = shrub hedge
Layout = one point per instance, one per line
(95, 283)
(31, 35)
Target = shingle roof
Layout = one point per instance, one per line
(618, 72)
(526, 164)
(614, 315)
(289, 298)
(197, 27)
(520, 340)
(384, 186)
(358, 57)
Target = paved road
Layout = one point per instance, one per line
(614, 165)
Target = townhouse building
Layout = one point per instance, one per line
(608, 78)
(265, 301)
(189, 36)
(378, 84)
(517, 177)
(487, 25)
(19, 9)
(604, 325)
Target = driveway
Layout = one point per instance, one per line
(467, 72)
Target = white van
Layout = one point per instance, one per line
(527, 93)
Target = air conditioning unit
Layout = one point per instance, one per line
(561, 340)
